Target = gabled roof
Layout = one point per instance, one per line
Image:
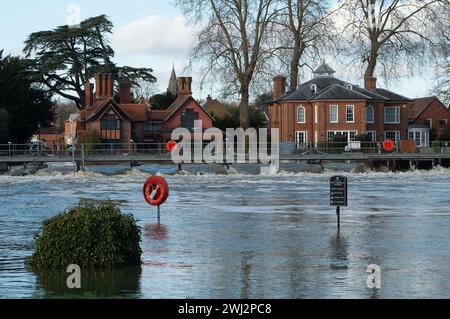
(214, 106)
(339, 92)
(418, 106)
(180, 103)
(105, 107)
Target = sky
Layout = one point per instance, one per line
(147, 33)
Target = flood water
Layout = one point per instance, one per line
(244, 235)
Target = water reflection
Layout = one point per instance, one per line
(108, 283)
(156, 232)
(338, 251)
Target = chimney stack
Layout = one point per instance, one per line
(89, 94)
(104, 85)
(209, 99)
(125, 93)
(370, 83)
(184, 86)
(279, 86)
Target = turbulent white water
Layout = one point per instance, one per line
(246, 234)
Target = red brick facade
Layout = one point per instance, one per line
(120, 121)
(431, 112)
(324, 95)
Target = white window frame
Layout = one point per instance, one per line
(314, 89)
(299, 121)
(397, 115)
(305, 137)
(397, 135)
(370, 107)
(337, 113)
(431, 122)
(374, 135)
(346, 113)
(316, 114)
(348, 132)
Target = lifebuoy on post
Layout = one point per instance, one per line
(156, 191)
(388, 146)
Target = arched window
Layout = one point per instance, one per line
(301, 114)
(314, 89)
(370, 117)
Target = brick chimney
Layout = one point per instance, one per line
(184, 87)
(89, 94)
(104, 85)
(209, 99)
(125, 93)
(370, 83)
(279, 86)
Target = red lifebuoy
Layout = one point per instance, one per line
(388, 145)
(156, 190)
(171, 146)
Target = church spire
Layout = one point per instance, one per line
(173, 83)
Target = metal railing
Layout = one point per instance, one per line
(128, 149)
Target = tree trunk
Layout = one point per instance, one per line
(243, 108)
(372, 62)
(295, 62)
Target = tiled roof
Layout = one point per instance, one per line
(339, 92)
(305, 93)
(137, 111)
(418, 106)
(392, 96)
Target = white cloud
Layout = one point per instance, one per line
(155, 35)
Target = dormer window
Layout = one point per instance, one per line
(349, 87)
(314, 89)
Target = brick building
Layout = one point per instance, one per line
(428, 114)
(326, 106)
(120, 121)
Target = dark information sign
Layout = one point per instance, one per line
(338, 191)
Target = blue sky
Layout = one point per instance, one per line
(150, 33)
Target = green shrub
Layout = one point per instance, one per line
(91, 236)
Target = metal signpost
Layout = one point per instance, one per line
(339, 195)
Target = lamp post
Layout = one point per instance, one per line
(9, 149)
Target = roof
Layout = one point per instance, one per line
(137, 111)
(324, 69)
(105, 106)
(392, 96)
(305, 92)
(158, 115)
(214, 106)
(418, 106)
(339, 92)
(177, 105)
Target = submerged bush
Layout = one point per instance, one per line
(88, 235)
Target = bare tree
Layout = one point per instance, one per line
(305, 31)
(235, 43)
(442, 36)
(390, 32)
(144, 89)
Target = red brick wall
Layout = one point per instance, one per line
(436, 112)
(175, 121)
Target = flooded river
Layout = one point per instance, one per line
(244, 235)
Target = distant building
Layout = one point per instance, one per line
(214, 107)
(326, 106)
(427, 115)
(123, 122)
(173, 83)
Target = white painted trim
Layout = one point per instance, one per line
(399, 114)
(346, 117)
(304, 114)
(337, 114)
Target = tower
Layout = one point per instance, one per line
(173, 83)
